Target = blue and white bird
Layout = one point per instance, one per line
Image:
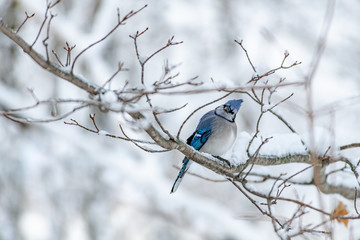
(215, 134)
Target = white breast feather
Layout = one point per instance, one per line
(221, 140)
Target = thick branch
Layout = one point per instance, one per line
(219, 168)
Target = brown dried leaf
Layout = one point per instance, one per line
(340, 211)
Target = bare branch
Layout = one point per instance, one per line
(246, 52)
(48, 7)
(148, 100)
(119, 23)
(257, 77)
(31, 120)
(27, 18)
(171, 110)
(254, 156)
(202, 177)
(277, 104)
(295, 174)
(98, 131)
(142, 60)
(75, 123)
(352, 145)
(283, 120)
(297, 202)
(139, 146)
(237, 89)
(68, 50)
(254, 202)
(355, 205)
(120, 68)
(169, 43)
(48, 36)
(57, 58)
(51, 5)
(47, 65)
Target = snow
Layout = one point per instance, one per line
(103, 133)
(281, 145)
(267, 107)
(239, 155)
(142, 59)
(28, 222)
(66, 69)
(322, 140)
(78, 229)
(109, 97)
(277, 145)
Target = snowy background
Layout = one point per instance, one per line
(61, 182)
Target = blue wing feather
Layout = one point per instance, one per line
(200, 138)
(203, 130)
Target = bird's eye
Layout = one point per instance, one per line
(228, 109)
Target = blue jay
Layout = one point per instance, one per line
(215, 134)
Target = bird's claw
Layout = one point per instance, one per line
(224, 160)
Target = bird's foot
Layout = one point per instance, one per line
(224, 160)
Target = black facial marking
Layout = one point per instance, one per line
(228, 109)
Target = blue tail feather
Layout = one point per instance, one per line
(183, 170)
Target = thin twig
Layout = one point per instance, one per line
(254, 156)
(120, 68)
(49, 5)
(68, 50)
(119, 23)
(300, 203)
(142, 61)
(57, 58)
(48, 36)
(283, 120)
(254, 202)
(355, 205)
(54, 4)
(171, 110)
(30, 120)
(97, 131)
(295, 174)
(237, 89)
(352, 145)
(26, 18)
(91, 88)
(277, 104)
(257, 77)
(246, 52)
(202, 177)
(75, 123)
(199, 108)
(148, 100)
(169, 43)
(139, 146)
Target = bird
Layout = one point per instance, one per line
(215, 134)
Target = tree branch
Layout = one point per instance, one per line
(47, 65)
